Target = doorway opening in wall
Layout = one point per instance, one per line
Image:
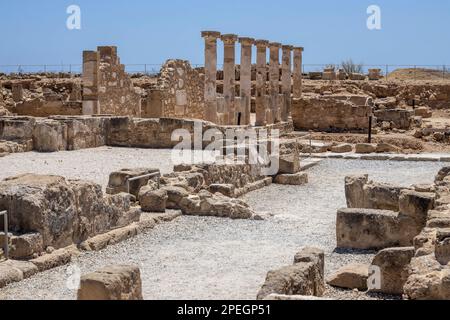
(239, 118)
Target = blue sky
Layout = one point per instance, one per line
(413, 32)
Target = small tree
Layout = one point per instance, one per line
(350, 67)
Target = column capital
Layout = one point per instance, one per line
(246, 41)
(287, 47)
(211, 34)
(229, 38)
(275, 45)
(261, 43)
(301, 49)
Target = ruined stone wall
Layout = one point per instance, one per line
(328, 114)
(178, 94)
(42, 97)
(60, 133)
(107, 87)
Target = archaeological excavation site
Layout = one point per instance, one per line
(251, 176)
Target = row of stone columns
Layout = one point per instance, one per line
(270, 108)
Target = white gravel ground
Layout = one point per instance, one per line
(210, 258)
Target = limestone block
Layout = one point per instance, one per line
(24, 246)
(175, 195)
(352, 276)
(206, 204)
(50, 136)
(367, 229)
(354, 190)
(342, 148)
(423, 112)
(289, 164)
(225, 189)
(112, 283)
(55, 259)
(153, 200)
(442, 248)
(118, 180)
(393, 264)
(365, 148)
(297, 179)
(302, 278)
(428, 280)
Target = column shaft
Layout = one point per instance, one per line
(298, 61)
(246, 79)
(210, 112)
(274, 86)
(286, 80)
(261, 79)
(229, 77)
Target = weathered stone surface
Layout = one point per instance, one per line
(225, 189)
(175, 195)
(342, 148)
(118, 180)
(153, 201)
(112, 237)
(24, 246)
(206, 204)
(112, 283)
(416, 206)
(289, 164)
(55, 259)
(442, 248)
(303, 278)
(367, 229)
(9, 275)
(354, 190)
(27, 268)
(394, 267)
(62, 212)
(423, 112)
(428, 280)
(352, 276)
(365, 148)
(386, 148)
(297, 179)
(50, 136)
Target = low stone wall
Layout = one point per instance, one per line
(60, 212)
(329, 114)
(397, 118)
(59, 133)
(381, 216)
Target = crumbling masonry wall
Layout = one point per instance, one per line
(107, 88)
(178, 93)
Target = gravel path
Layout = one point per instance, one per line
(210, 258)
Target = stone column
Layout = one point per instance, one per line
(261, 79)
(246, 79)
(229, 76)
(274, 85)
(298, 61)
(210, 113)
(91, 64)
(286, 82)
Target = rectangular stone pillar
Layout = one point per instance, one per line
(286, 81)
(298, 62)
(210, 113)
(261, 79)
(17, 92)
(229, 77)
(274, 84)
(246, 79)
(91, 63)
